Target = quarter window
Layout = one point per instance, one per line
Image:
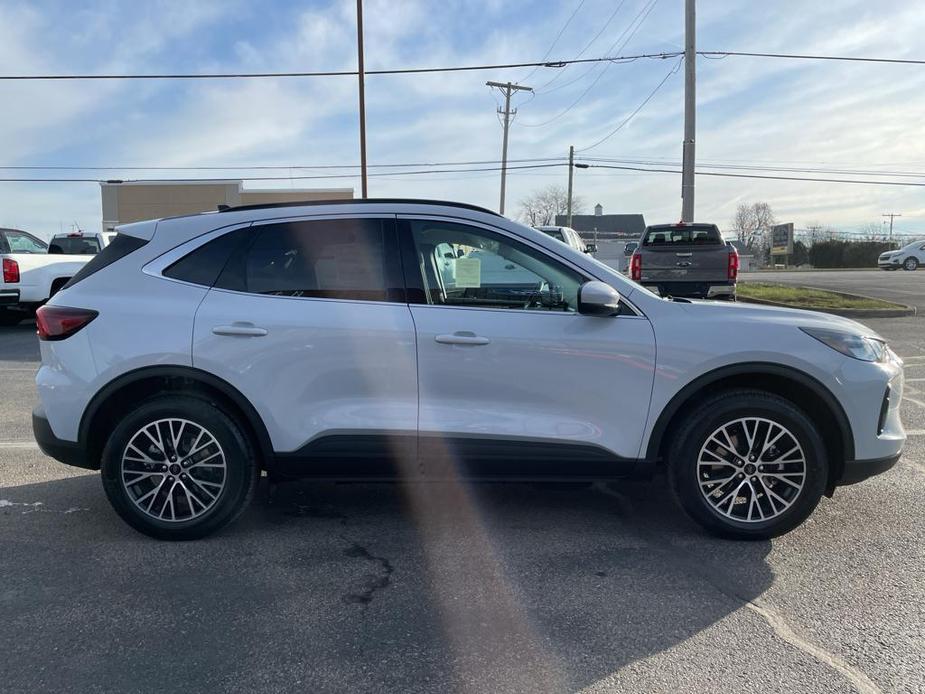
(460, 265)
(333, 259)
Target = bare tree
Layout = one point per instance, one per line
(872, 231)
(541, 207)
(752, 223)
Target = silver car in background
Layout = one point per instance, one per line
(909, 257)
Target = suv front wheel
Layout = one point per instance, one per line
(748, 465)
(178, 468)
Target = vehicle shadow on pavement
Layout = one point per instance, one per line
(20, 343)
(417, 587)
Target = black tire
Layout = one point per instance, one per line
(911, 264)
(10, 318)
(707, 418)
(241, 471)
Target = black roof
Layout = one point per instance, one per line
(629, 224)
(354, 201)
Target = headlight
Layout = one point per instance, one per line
(851, 344)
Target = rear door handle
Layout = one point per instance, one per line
(462, 337)
(239, 329)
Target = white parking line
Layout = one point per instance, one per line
(915, 432)
(19, 444)
(913, 400)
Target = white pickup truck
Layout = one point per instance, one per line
(30, 276)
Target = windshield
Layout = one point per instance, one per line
(555, 233)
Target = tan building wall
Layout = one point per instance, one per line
(136, 201)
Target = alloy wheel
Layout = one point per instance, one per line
(751, 469)
(173, 470)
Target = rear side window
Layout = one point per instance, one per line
(74, 246)
(120, 247)
(688, 235)
(332, 259)
(21, 242)
(204, 265)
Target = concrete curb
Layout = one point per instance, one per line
(899, 311)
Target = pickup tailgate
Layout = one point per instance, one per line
(684, 253)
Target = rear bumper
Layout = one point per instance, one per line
(9, 296)
(859, 470)
(699, 290)
(67, 452)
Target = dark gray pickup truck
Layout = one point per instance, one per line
(689, 260)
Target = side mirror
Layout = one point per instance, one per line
(598, 299)
(591, 248)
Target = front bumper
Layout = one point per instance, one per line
(67, 452)
(886, 263)
(859, 470)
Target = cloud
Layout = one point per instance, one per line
(750, 110)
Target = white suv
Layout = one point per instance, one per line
(333, 340)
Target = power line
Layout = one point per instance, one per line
(651, 6)
(335, 73)
(630, 117)
(748, 167)
(456, 68)
(796, 56)
(279, 178)
(586, 47)
(555, 40)
(276, 167)
(771, 178)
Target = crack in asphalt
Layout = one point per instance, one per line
(720, 582)
(371, 582)
(38, 507)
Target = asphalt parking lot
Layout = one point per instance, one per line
(427, 588)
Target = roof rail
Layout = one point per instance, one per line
(352, 201)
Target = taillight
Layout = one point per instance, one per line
(636, 267)
(733, 269)
(10, 270)
(60, 322)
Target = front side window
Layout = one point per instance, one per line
(20, 242)
(332, 259)
(460, 265)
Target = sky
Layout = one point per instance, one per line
(750, 111)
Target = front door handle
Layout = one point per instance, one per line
(239, 329)
(462, 337)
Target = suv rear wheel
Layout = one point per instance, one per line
(748, 465)
(178, 468)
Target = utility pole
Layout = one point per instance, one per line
(891, 215)
(507, 88)
(690, 109)
(362, 87)
(571, 175)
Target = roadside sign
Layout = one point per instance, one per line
(782, 239)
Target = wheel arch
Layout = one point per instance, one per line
(128, 388)
(797, 386)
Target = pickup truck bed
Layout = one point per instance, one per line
(29, 275)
